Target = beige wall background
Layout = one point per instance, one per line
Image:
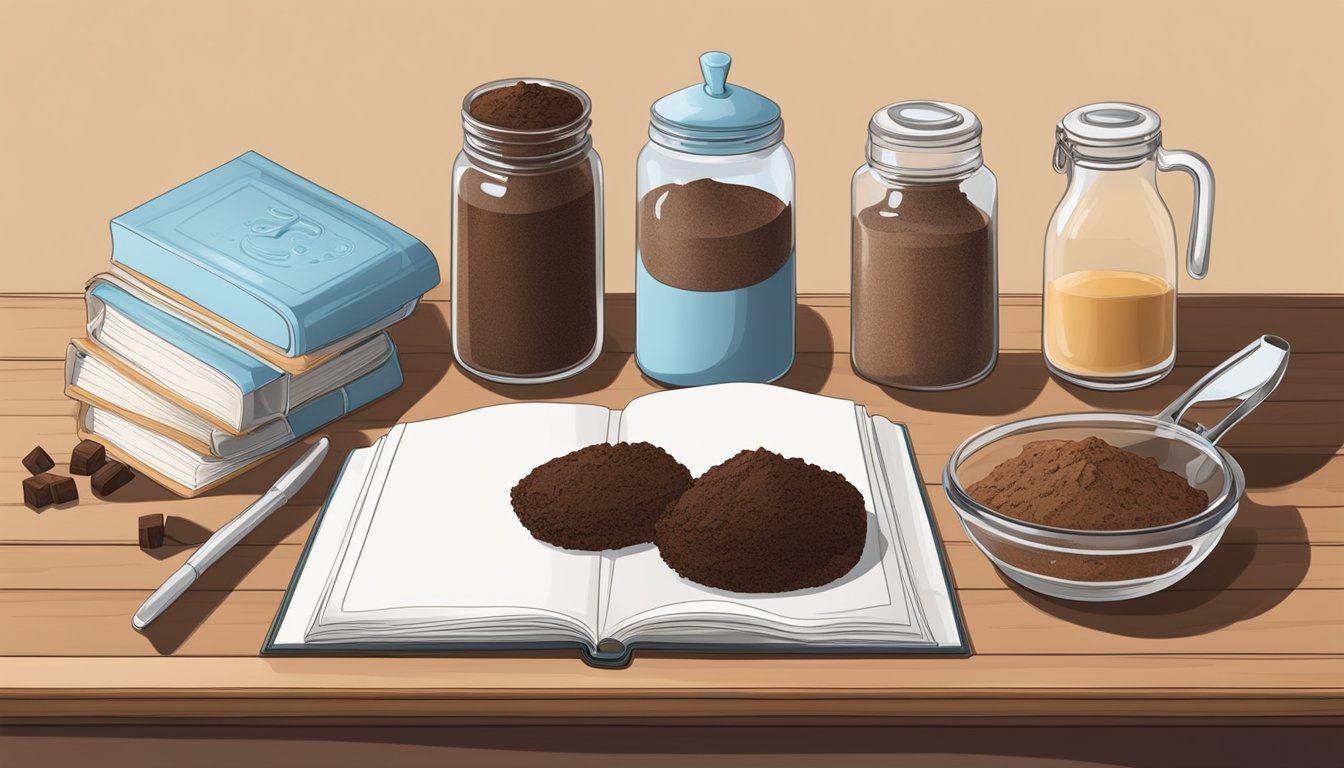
(103, 105)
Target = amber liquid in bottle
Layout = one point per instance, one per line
(1101, 321)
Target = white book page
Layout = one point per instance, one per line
(705, 426)
(905, 487)
(325, 549)
(438, 542)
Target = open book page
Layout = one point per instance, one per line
(647, 600)
(435, 550)
(329, 538)
(904, 489)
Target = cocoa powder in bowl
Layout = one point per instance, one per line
(599, 497)
(708, 235)
(1088, 485)
(760, 522)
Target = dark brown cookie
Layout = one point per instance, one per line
(762, 523)
(599, 497)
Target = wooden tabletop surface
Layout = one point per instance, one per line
(1257, 630)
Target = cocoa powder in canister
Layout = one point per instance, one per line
(600, 497)
(924, 289)
(760, 522)
(1088, 485)
(708, 235)
(527, 247)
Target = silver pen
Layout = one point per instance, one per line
(231, 533)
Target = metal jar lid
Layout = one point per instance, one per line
(1107, 133)
(925, 140)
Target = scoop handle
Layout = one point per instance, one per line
(1249, 376)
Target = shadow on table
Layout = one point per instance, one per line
(1243, 577)
(179, 534)
(1016, 380)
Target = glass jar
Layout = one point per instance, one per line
(527, 247)
(1109, 307)
(715, 270)
(924, 285)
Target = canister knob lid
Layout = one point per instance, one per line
(715, 117)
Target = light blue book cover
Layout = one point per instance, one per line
(274, 254)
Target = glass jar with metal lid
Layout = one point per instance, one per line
(715, 286)
(527, 247)
(924, 282)
(1110, 250)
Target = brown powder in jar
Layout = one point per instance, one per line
(1087, 485)
(599, 497)
(526, 278)
(762, 523)
(710, 236)
(526, 106)
(924, 298)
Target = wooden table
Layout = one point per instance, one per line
(1254, 638)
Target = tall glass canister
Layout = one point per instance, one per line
(715, 285)
(527, 247)
(1110, 271)
(924, 286)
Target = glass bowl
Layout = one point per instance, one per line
(1120, 564)
(1097, 565)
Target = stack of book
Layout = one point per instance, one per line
(243, 310)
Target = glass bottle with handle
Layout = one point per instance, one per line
(1109, 314)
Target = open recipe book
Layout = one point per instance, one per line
(417, 548)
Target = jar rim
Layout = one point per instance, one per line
(489, 144)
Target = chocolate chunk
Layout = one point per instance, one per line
(37, 461)
(87, 457)
(46, 488)
(62, 488)
(110, 477)
(36, 491)
(151, 531)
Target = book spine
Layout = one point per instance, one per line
(609, 654)
(320, 411)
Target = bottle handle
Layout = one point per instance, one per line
(1201, 220)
